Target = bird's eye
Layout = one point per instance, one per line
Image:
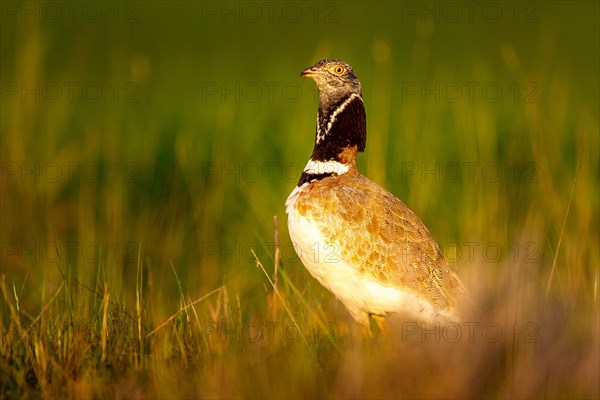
(338, 69)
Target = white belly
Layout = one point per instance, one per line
(360, 296)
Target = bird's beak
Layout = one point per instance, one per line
(308, 72)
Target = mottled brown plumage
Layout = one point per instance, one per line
(380, 236)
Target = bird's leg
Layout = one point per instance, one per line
(381, 323)
(366, 331)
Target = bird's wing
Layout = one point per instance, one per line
(384, 239)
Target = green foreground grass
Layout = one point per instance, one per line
(137, 231)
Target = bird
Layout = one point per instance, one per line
(354, 237)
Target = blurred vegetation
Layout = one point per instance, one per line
(146, 147)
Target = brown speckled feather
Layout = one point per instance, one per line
(381, 237)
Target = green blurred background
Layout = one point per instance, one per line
(173, 132)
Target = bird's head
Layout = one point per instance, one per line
(335, 79)
(341, 118)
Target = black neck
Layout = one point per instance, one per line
(340, 125)
(341, 133)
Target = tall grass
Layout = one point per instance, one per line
(137, 230)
